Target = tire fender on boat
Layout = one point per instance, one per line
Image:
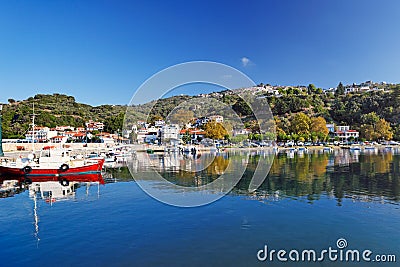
(64, 182)
(27, 169)
(64, 167)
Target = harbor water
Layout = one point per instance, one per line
(307, 201)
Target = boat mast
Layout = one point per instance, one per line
(33, 129)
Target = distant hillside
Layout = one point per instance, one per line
(354, 109)
(53, 110)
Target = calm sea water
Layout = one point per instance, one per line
(308, 201)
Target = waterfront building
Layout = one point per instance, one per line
(40, 134)
(344, 133)
(169, 132)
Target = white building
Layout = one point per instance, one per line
(344, 133)
(63, 128)
(159, 123)
(94, 126)
(141, 135)
(217, 118)
(169, 132)
(152, 135)
(41, 134)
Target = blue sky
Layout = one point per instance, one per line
(102, 51)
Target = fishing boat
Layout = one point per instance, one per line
(51, 162)
(51, 166)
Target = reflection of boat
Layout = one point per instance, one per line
(23, 179)
(370, 149)
(327, 149)
(51, 189)
(302, 149)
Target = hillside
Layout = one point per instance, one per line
(354, 109)
(53, 110)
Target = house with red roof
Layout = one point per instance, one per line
(345, 133)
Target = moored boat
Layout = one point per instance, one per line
(64, 169)
(51, 163)
(355, 148)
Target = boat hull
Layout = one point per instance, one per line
(87, 169)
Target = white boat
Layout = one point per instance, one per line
(355, 148)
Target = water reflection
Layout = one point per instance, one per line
(365, 177)
(47, 188)
(361, 176)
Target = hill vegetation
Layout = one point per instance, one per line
(376, 114)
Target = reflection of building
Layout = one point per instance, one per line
(9, 188)
(52, 190)
(344, 158)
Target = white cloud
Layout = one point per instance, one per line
(245, 61)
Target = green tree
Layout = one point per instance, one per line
(370, 118)
(311, 89)
(368, 132)
(113, 123)
(238, 138)
(186, 138)
(241, 108)
(318, 126)
(153, 118)
(215, 130)
(300, 124)
(384, 130)
(181, 117)
(340, 89)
